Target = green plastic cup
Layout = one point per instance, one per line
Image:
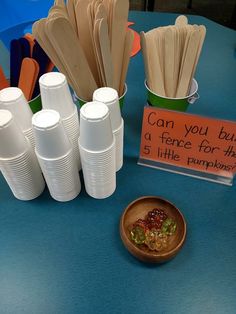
(35, 104)
(178, 104)
(122, 97)
(80, 102)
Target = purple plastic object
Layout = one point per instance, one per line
(41, 57)
(15, 62)
(25, 47)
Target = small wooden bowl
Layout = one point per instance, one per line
(139, 209)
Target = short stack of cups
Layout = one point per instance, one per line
(109, 97)
(55, 95)
(97, 150)
(13, 99)
(55, 155)
(18, 162)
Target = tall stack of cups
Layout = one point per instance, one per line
(55, 95)
(97, 150)
(13, 99)
(18, 162)
(109, 96)
(55, 155)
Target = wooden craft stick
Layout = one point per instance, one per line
(145, 57)
(110, 5)
(169, 62)
(59, 3)
(57, 11)
(119, 21)
(40, 34)
(188, 64)
(65, 40)
(159, 35)
(202, 30)
(98, 52)
(126, 57)
(101, 12)
(158, 82)
(107, 6)
(186, 34)
(96, 4)
(177, 55)
(84, 29)
(106, 52)
(181, 20)
(71, 13)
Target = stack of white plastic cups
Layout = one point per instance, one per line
(97, 150)
(55, 155)
(18, 162)
(109, 96)
(55, 95)
(13, 99)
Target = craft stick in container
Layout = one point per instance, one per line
(188, 64)
(171, 54)
(202, 30)
(169, 62)
(156, 75)
(181, 20)
(74, 60)
(98, 51)
(59, 3)
(126, 57)
(86, 37)
(71, 13)
(105, 52)
(40, 34)
(119, 20)
(58, 10)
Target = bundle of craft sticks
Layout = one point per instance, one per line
(89, 42)
(171, 56)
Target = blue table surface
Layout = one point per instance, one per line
(68, 257)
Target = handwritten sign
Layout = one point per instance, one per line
(189, 141)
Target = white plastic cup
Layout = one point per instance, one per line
(30, 136)
(13, 99)
(119, 138)
(50, 136)
(99, 170)
(61, 176)
(31, 190)
(109, 97)
(71, 125)
(55, 94)
(12, 140)
(95, 126)
(23, 175)
(98, 157)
